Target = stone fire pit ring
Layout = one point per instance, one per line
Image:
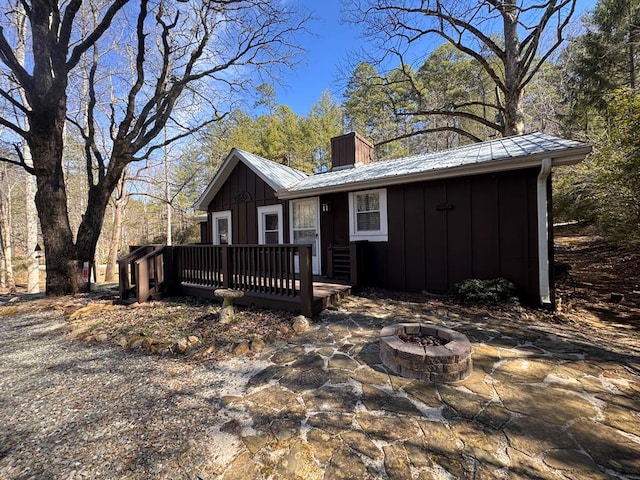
(447, 363)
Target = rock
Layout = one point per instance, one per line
(135, 342)
(298, 463)
(569, 460)
(257, 345)
(396, 462)
(192, 340)
(360, 442)
(181, 346)
(241, 468)
(322, 444)
(102, 337)
(148, 342)
(389, 429)
(284, 330)
(300, 324)
(345, 464)
(241, 348)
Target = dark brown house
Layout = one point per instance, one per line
(421, 223)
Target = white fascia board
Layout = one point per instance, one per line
(570, 157)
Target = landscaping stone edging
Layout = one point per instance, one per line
(446, 363)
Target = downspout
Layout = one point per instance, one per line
(543, 232)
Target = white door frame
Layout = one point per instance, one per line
(315, 260)
(215, 216)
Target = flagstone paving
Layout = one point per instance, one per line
(544, 401)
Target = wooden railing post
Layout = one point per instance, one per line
(142, 284)
(306, 280)
(330, 261)
(123, 278)
(226, 266)
(169, 269)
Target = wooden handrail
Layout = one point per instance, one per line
(144, 274)
(258, 269)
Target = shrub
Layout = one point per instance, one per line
(496, 290)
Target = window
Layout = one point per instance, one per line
(221, 227)
(368, 215)
(270, 225)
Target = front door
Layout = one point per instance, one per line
(305, 228)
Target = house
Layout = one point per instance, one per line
(420, 223)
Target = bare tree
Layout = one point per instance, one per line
(7, 279)
(190, 57)
(509, 39)
(120, 198)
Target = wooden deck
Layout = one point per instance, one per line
(325, 293)
(271, 276)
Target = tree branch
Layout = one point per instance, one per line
(431, 130)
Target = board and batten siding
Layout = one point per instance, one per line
(242, 193)
(444, 231)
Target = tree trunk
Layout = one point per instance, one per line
(98, 199)
(46, 141)
(116, 234)
(114, 247)
(8, 280)
(513, 94)
(33, 267)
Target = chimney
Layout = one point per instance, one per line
(350, 150)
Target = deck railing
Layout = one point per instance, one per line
(267, 271)
(142, 271)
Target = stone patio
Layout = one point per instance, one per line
(544, 401)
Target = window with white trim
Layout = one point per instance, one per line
(221, 227)
(270, 229)
(368, 215)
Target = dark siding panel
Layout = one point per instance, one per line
(485, 227)
(514, 228)
(459, 232)
(244, 214)
(396, 247)
(379, 262)
(436, 236)
(414, 238)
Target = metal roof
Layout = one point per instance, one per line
(507, 153)
(277, 176)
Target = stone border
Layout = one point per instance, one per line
(438, 364)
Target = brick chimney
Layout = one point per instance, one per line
(350, 150)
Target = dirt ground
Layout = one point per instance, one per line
(599, 268)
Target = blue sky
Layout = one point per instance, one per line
(326, 51)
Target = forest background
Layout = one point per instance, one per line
(581, 86)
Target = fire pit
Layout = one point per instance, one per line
(426, 352)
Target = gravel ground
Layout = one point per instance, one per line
(72, 410)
